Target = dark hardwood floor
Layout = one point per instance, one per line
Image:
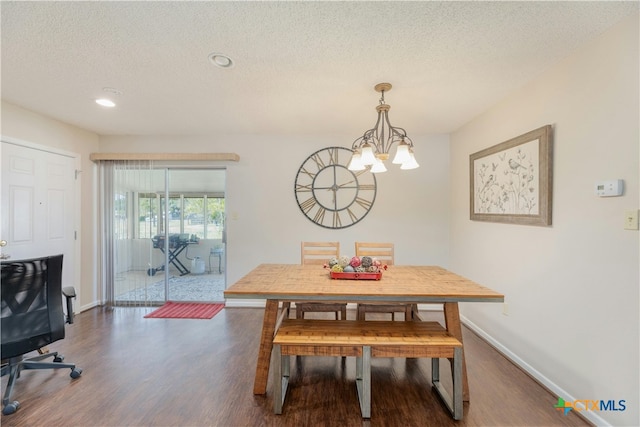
(174, 372)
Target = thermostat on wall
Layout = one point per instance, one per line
(609, 188)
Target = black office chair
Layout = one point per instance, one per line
(32, 317)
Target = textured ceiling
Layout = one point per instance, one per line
(300, 67)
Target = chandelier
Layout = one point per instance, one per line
(372, 148)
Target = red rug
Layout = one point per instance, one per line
(186, 310)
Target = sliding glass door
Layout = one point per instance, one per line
(169, 235)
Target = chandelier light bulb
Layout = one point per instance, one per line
(355, 164)
(402, 153)
(368, 158)
(411, 163)
(378, 167)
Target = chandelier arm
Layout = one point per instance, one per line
(375, 134)
(361, 140)
(387, 141)
(370, 136)
(399, 133)
(402, 133)
(408, 141)
(356, 144)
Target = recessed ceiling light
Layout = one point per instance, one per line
(220, 60)
(105, 102)
(112, 90)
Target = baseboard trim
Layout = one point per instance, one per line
(430, 307)
(531, 371)
(88, 307)
(245, 303)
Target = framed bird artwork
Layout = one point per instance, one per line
(512, 182)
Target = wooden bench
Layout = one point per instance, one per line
(364, 340)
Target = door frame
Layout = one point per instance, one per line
(166, 169)
(77, 267)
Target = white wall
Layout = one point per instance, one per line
(24, 125)
(572, 288)
(264, 222)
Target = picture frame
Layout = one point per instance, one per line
(512, 182)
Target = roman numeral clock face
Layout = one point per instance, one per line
(331, 195)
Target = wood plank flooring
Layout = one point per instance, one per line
(182, 372)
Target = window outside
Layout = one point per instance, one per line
(198, 215)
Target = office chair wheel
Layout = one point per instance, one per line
(58, 359)
(11, 407)
(75, 373)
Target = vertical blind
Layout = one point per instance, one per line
(126, 258)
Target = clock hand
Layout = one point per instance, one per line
(333, 188)
(346, 183)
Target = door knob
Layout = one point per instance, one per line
(3, 243)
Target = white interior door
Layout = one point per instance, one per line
(38, 205)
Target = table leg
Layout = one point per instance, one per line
(266, 344)
(454, 327)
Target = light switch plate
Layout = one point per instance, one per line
(631, 219)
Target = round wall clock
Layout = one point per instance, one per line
(331, 195)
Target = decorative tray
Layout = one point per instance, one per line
(355, 276)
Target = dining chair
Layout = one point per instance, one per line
(319, 253)
(384, 252)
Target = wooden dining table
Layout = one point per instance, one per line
(286, 283)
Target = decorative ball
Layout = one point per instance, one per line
(372, 269)
(355, 262)
(337, 268)
(333, 261)
(360, 269)
(344, 261)
(366, 261)
(349, 269)
(376, 262)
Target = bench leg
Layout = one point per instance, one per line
(281, 379)
(286, 306)
(435, 370)
(457, 383)
(363, 381)
(454, 404)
